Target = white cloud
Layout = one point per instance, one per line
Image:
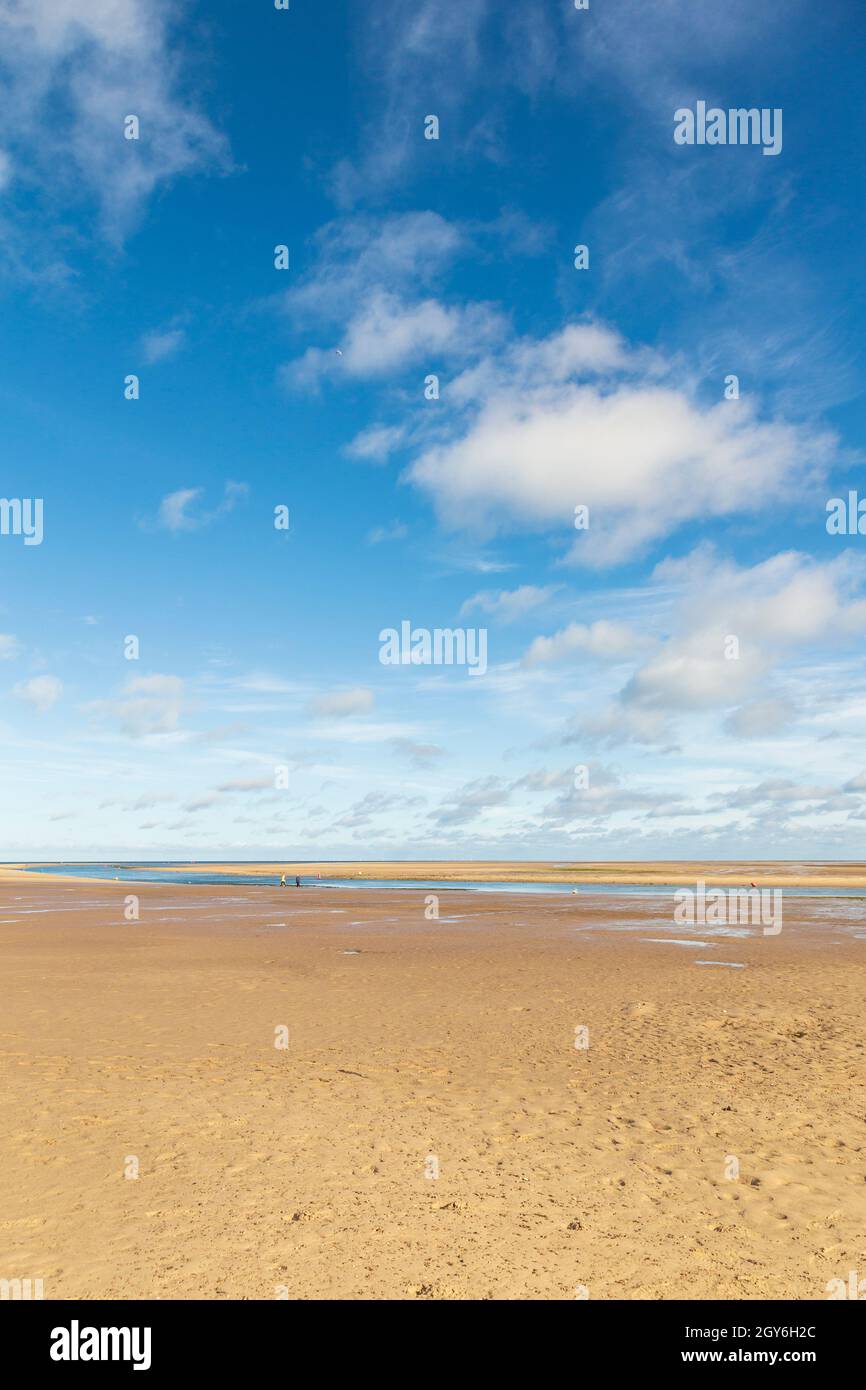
(9, 646)
(578, 419)
(785, 601)
(760, 718)
(162, 344)
(696, 677)
(422, 47)
(471, 800)
(608, 640)
(649, 56)
(176, 509)
(654, 52)
(357, 255)
(367, 288)
(620, 724)
(40, 691)
(775, 790)
(375, 444)
(388, 333)
(509, 605)
(421, 755)
(146, 705)
(730, 630)
(103, 60)
(343, 703)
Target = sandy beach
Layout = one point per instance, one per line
(430, 1131)
(777, 873)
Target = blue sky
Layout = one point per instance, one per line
(609, 648)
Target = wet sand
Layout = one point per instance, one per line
(418, 1046)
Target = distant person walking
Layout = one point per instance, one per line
(297, 882)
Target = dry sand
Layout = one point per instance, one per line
(304, 1169)
(773, 873)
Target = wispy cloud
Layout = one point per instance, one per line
(343, 703)
(366, 289)
(162, 344)
(41, 692)
(396, 531)
(510, 605)
(146, 705)
(99, 62)
(178, 511)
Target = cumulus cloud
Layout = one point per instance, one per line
(388, 333)
(607, 640)
(40, 691)
(367, 289)
(694, 676)
(581, 419)
(731, 629)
